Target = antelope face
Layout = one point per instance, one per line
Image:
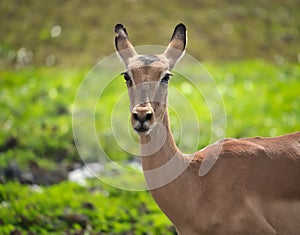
(147, 81)
(147, 78)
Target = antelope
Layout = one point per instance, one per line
(254, 185)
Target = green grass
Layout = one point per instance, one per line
(35, 110)
(73, 209)
(260, 98)
(36, 106)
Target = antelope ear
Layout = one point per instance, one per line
(177, 45)
(123, 45)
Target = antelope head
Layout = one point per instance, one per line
(147, 78)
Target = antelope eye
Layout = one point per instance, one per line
(166, 78)
(126, 76)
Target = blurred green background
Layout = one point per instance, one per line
(251, 49)
(76, 33)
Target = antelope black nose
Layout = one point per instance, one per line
(142, 113)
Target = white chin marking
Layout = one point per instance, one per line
(144, 129)
(137, 125)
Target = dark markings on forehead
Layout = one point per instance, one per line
(148, 59)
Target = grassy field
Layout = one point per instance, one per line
(69, 208)
(36, 105)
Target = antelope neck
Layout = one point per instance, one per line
(158, 147)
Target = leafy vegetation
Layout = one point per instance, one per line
(68, 208)
(260, 98)
(35, 113)
(36, 122)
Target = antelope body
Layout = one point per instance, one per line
(254, 186)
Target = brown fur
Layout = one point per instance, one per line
(253, 187)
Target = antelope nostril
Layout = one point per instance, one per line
(148, 116)
(135, 116)
(142, 117)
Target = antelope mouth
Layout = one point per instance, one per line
(142, 130)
